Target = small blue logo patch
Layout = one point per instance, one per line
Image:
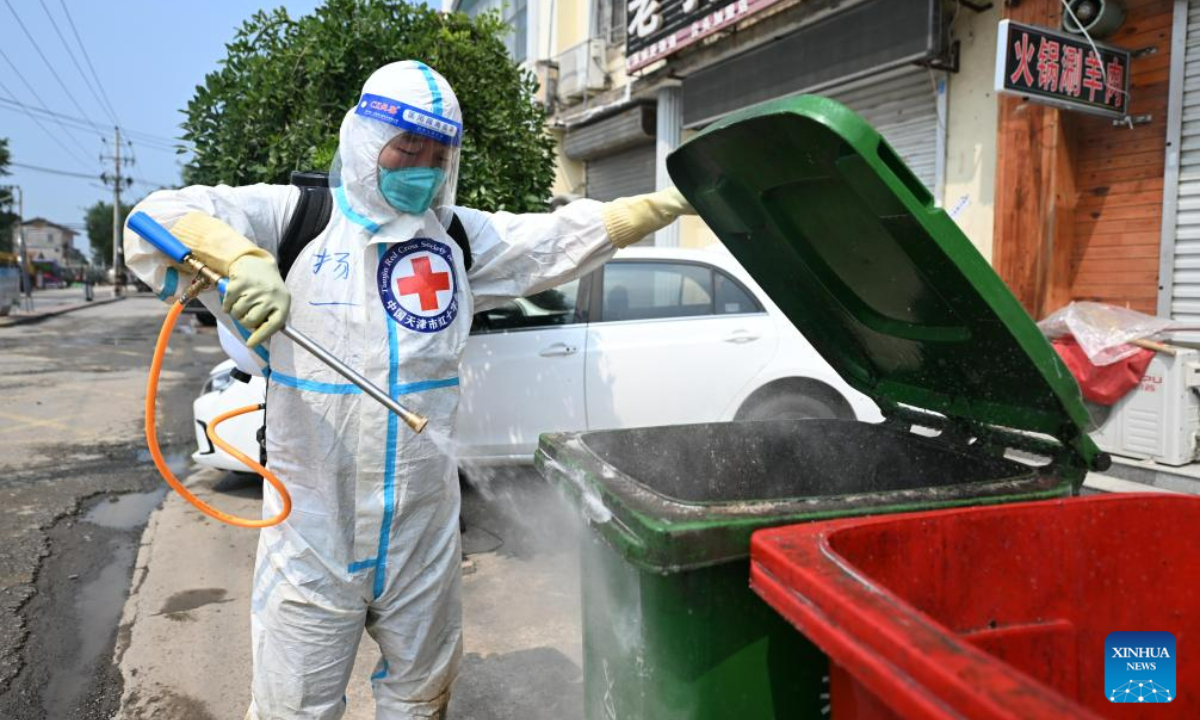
(418, 285)
(1139, 667)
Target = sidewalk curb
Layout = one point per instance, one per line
(1110, 484)
(13, 320)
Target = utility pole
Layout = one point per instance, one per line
(117, 183)
(22, 251)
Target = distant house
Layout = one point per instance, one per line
(51, 250)
(45, 240)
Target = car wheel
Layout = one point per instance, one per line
(797, 405)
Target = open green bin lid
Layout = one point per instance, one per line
(848, 243)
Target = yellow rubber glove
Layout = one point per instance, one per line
(630, 219)
(256, 297)
(214, 243)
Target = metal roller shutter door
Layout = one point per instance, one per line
(903, 108)
(1184, 300)
(629, 172)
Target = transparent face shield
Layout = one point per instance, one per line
(394, 158)
(417, 172)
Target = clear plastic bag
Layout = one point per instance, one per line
(1103, 331)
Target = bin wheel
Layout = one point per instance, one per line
(815, 403)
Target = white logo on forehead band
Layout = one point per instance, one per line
(407, 117)
(434, 124)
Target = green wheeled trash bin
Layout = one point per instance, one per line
(978, 409)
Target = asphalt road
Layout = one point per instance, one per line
(76, 487)
(103, 616)
(184, 651)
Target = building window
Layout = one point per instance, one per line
(609, 21)
(515, 15)
(518, 20)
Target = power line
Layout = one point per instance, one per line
(170, 143)
(43, 128)
(167, 150)
(152, 183)
(57, 121)
(87, 58)
(53, 171)
(158, 143)
(17, 105)
(71, 54)
(50, 67)
(165, 145)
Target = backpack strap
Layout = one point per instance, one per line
(458, 233)
(308, 219)
(312, 215)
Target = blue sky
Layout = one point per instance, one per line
(149, 56)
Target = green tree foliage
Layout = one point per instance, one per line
(278, 100)
(99, 222)
(8, 216)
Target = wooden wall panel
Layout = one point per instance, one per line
(1028, 168)
(1083, 210)
(1120, 180)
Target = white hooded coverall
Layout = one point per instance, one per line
(373, 537)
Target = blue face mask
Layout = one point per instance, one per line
(410, 190)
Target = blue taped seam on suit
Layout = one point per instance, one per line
(382, 673)
(433, 88)
(351, 389)
(389, 467)
(339, 195)
(259, 351)
(360, 565)
(169, 284)
(314, 386)
(423, 385)
(402, 389)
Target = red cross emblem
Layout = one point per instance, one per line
(425, 283)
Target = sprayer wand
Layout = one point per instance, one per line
(206, 277)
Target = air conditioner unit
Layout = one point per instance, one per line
(1160, 418)
(582, 69)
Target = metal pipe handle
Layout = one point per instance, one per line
(162, 239)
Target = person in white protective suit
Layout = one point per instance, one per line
(373, 538)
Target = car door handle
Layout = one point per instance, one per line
(741, 337)
(558, 350)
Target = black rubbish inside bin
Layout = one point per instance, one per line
(724, 462)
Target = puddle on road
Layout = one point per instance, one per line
(125, 512)
(100, 598)
(98, 607)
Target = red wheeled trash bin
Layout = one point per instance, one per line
(995, 612)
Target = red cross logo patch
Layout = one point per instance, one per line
(418, 285)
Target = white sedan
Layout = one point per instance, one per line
(658, 336)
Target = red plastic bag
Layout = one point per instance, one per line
(1103, 384)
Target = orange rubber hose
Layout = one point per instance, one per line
(160, 351)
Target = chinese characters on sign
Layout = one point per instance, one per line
(658, 28)
(1063, 70)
